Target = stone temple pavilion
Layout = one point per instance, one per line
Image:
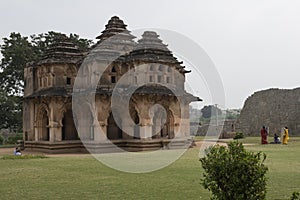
(49, 122)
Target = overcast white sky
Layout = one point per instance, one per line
(254, 44)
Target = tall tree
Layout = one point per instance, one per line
(16, 52)
(11, 111)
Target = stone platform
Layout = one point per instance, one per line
(77, 146)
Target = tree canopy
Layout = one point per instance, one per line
(17, 50)
(11, 111)
(209, 111)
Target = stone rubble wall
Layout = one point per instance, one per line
(273, 108)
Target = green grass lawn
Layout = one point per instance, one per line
(83, 177)
(7, 145)
(284, 166)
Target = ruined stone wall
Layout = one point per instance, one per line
(274, 108)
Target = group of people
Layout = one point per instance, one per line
(264, 132)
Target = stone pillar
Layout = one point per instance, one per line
(32, 117)
(146, 132)
(185, 120)
(84, 129)
(100, 131)
(28, 120)
(52, 132)
(181, 127)
(156, 127)
(55, 131)
(145, 129)
(185, 128)
(177, 130)
(145, 120)
(36, 135)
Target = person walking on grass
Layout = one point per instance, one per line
(264, 135)
(285, 136)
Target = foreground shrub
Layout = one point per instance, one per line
(234, 173)
(13, 139)
(238, 135)
(1, 140)
(295, 196)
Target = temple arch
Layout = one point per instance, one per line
(113, 130)
(114, 69)
(170, 125)
(43, 123)
(163, 125)
(136, 128)
(156, 125)
(69, 131)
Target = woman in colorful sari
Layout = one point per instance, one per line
(285, 137)
(264, 135)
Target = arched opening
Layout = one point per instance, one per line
(169, 69)
(161, 68)
(113, 130)
(44, 127)
(136, 128)
(151, 68)
(167, 129)
(113, 79)
(170, 124)
(159, 78)
(156, 127)
(113, 69)
(69, 131)
(150, 78)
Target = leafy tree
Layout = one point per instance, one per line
(209, 111)
(43, 41)
(11, 111)
(295, 196)
(1, 140)
(234, 173)
(231, 116)
(16, 52)
(13, 139)
(82, 44)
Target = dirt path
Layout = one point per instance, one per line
(6, 151)
(10, 151)
(199, 144)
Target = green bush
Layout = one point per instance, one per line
(1, 140)
(238, 135)
(295, 196)
(14, 138)
(234, 173)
